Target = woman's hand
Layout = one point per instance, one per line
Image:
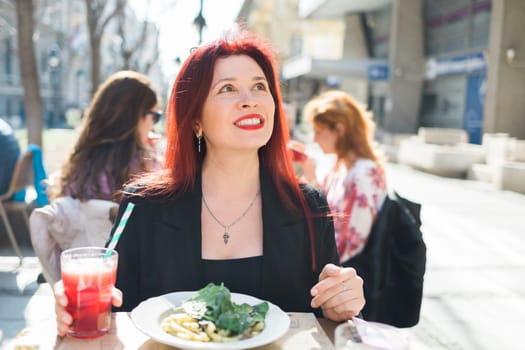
(339, 293)
(64, 319)
(306, 164)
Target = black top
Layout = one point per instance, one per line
(9, 153)
(239, 275)
(160, 248)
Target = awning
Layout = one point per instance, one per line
(337, 8)
(344, 68)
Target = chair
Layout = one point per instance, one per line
(392, 264)
(68, 223)
(22, 177)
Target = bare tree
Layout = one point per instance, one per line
(131, 50)
(126, 48)
(98, 17)
(30, 81)
(154, 57)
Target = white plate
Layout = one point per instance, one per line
(148, 315)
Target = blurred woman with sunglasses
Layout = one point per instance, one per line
(114, 145)
(115, 140)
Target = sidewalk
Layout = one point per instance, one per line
(474, 294)
(474, 297)
(20, 295)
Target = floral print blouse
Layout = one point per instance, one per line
(355, 197)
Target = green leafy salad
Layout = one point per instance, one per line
(211, 315)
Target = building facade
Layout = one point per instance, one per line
(49, 58)
(435, 63)
(63, 59)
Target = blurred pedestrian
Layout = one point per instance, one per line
(9, 154)
(355, 187)
(114, 142)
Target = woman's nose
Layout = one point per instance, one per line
(247, 100)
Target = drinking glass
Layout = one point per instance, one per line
(345, 338)
(358, 334)
(89, 276)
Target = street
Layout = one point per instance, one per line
(474, 294)
(474, 297)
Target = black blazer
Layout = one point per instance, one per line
(160, 249)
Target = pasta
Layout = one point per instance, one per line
(211, 316)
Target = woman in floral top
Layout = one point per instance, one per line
(355, 187)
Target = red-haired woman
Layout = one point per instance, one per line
(356, 187)
(227, 207)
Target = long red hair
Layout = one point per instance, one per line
(188, 94)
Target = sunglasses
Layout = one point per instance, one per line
(156, 115)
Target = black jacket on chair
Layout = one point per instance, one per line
(392, 264)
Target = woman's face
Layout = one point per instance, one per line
(145, 125)
(238, 113)
(325, 137)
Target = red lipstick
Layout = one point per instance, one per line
(250, 122)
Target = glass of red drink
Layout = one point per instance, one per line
(298, 156)
(298, 151)
(88, 278)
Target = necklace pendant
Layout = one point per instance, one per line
(226, 237)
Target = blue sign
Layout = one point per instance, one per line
(378, 72)
(473, 118)
(465, 64)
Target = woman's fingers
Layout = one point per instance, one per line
(332, 281)
(58, 292)
(117, 297)
(338, 317)
(297, 145)
(339, 293)
(349, 298)
(343, 306)
(63, 319)
(329, 270)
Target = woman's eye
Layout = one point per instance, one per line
(226, 88)
(260, 87)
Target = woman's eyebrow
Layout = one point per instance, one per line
(222, 80)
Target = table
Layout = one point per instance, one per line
(306, 332)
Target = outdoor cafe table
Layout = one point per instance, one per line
(305, 332)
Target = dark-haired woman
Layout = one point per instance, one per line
(114, 143)
(113, 146)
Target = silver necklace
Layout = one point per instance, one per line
(226, 235)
